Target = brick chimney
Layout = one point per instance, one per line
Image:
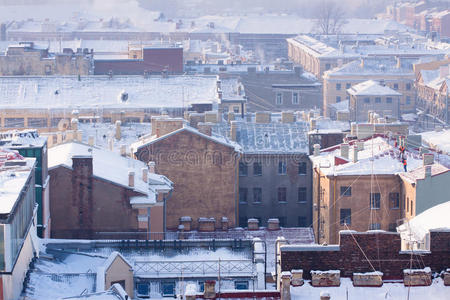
(428, 159)
(287, 117)
(263, 117)
(131, 178)
(205, 128)
(162, 125)
(82, 165)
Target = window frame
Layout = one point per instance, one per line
(388, 99)
(241, 169)
(343, 218)
(279, 98)
(367, 100)
(375, 198)
(296, 94)
(257, 166)
(241, 190)
(167, 283)
(282, 190)
(302, 165)
(345, 191)
(282, 168)
(303, 192)
(338, 86)
(254, 194)
(338, 99)
(243, 283)
(394, 200)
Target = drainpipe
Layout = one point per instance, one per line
(236, 188)
(164, 212)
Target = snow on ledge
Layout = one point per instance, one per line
(376, 273)
(312, 247)
(424, 270)
(325, 272)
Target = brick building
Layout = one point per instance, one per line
(143, 60)
(96, 193)
(354, 249)
(26, 58)
(203, 168)
(356, 186)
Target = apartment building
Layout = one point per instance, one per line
(29, 144)
(202, 167)
(395, 73)
(356, 186)
(17, 221)
(26, 58)
(375, 97)
(433, 90)
(99, 194)
(274, 169)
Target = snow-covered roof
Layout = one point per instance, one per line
(101, 91)
(438, 140)
(386, 160)
(22, 138)
(371, 88)
(433, 218)
(419, 173)
(375, 65)
(145, 141)
(109, 166)
(429, 75)
(12, 179)
(273, 137)
(326, 125)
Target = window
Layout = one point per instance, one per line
(388, 100)
(338, 99)
(14, 122)
(243, 169)
(392, 227)
(279, 98)
(338, 86)
(394, 200)
(143, 289)
(302, 168)
(346, 191)
(37, 122)
(327, 66)
(236, 109)
(408, 86)
(243, 195)
(301, 194)
(168, 288)
(294, 98)
(257, 169)
(395, 86)
(366, 100)
(375, 200)
(241, 285)
(348, 85)
(282, 168)
(412, 208)
(283, 221)
(281, 194)
(257, 195)
(377, 100)
(408, 100)
(407, 204)
(375, 226)
(201, 286)
(302, 222)
(346, 216)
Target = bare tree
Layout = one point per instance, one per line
(330, 17)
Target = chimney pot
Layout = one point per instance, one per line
(151, 167)
(316, 151)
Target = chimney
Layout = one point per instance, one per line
(273, 224)
(428, 159)
(313, 124)
(91, 140)
(123, 150)
(428, 171)
(205, 128)
(233, 130)
(151, 167)
(130, 178)
(209, 289)
(287, 117)
(212, 116)
(324, 295)
(399, 62)
(355, 153)
(74, 124)
(285, 285)
(144, 174)
(262, 117)
(344, 150)
(82, 166)
(360, 145)
(118, 134)
(316, 151)
(79, 135)
(231, 116)
(111, 144)
(444, 71)
(252, 224)
(362, 63)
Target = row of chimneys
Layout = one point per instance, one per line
(145, 171)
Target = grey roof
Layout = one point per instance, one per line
(268, 138)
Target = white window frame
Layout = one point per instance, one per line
(280, 97)
(295, 95)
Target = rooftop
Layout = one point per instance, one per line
(371, 88)
(109, 166)
(385, 160)
(419, 173)
(14, 173)
(432, 218)
(22, 139)
(438, 140)
(103, 92)
(375, 65)
(273, 137)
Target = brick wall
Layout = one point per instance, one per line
(382, 249)
(203, 173)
